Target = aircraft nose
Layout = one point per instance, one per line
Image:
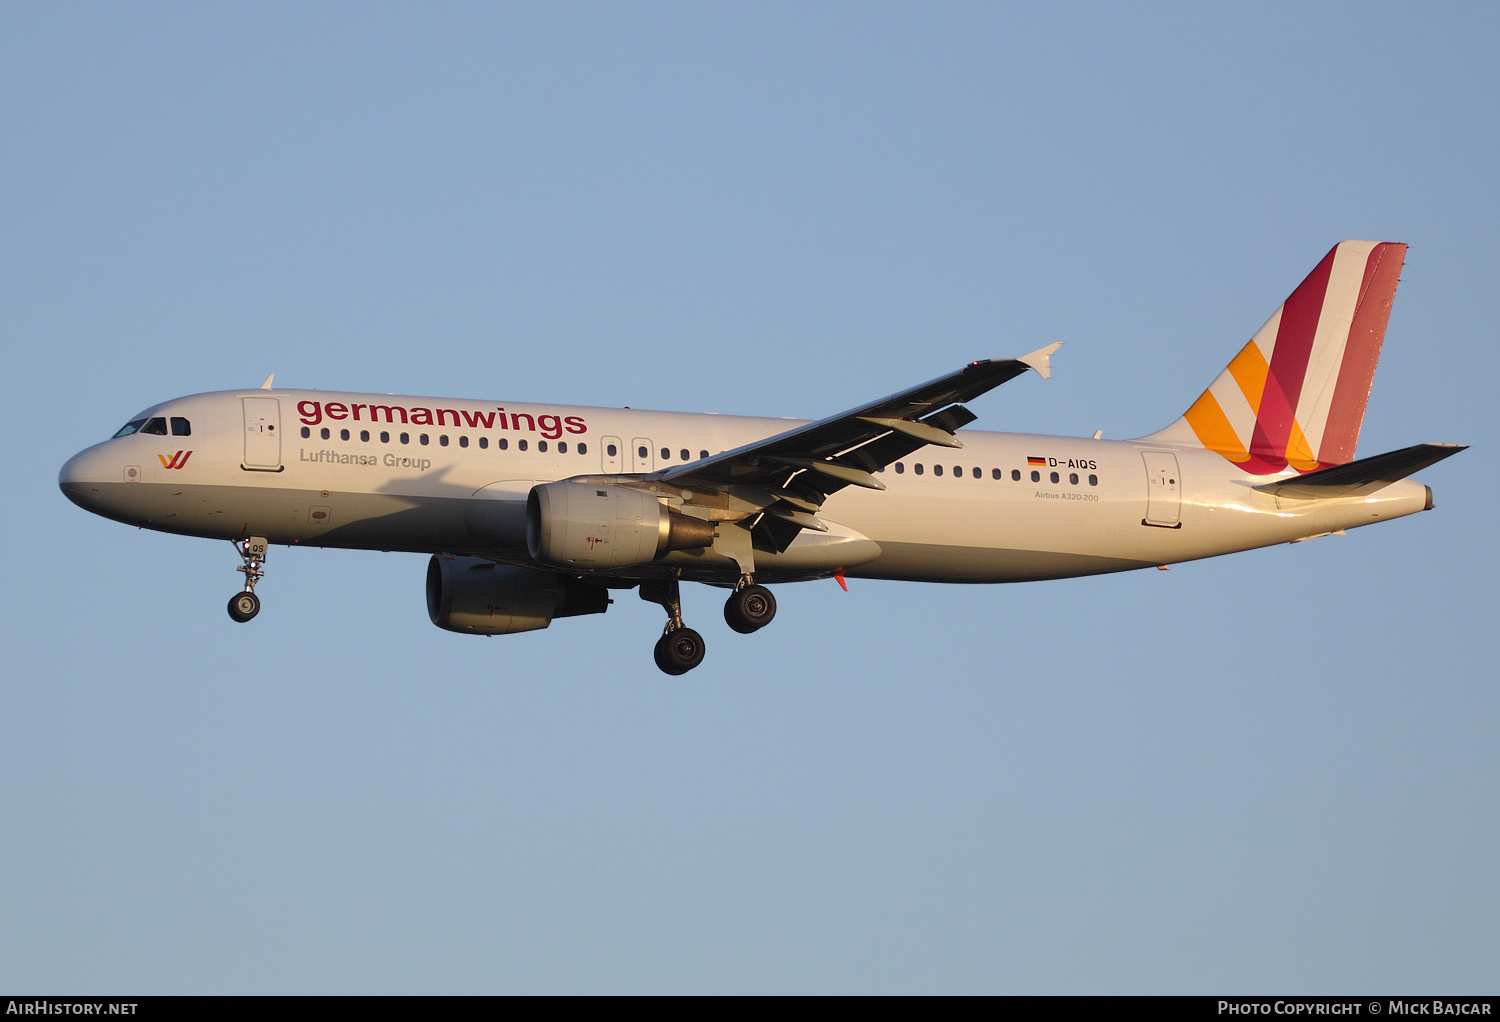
(82, 476)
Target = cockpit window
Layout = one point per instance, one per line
(156, 427)
(130, 427)
(181, 427)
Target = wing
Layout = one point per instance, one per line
(802, 466)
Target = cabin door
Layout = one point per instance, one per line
(262, 434)
(1163, 490)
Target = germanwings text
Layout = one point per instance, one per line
(550, 426)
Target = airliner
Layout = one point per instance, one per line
(532, 512)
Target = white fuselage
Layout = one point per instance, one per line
(313, 468)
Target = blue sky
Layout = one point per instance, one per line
(1274, 771)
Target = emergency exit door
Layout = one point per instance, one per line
(612, 453)
(642, 459)
(262, 434)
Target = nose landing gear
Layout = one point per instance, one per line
(679, 649)
(245, 605)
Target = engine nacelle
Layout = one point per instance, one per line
(480, 597)
(579, 525)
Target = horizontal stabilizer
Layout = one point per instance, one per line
(1363, 476)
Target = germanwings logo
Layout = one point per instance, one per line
(178, 460)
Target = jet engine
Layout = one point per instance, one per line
(580, 525)
(480, 597)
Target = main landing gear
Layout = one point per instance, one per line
(679, 649)
(245, 605)
(749, 608)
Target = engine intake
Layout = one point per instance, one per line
(480, 597)
(578, 525)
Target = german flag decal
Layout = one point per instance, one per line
(1036, 461)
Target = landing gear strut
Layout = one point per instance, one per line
(679, 649)
(749, 608)
(245, 605)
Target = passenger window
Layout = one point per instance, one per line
(643, 454)
(900, 468)
(463, 441)
(343, 434)
(686, 455)
(562, 447)
(181, 427)
(1093, 480)
(422, 439)
(156, 427)
(520, 445)
(443, 440)
(406, 438)
(666, 454)
(502, 443)
(994, 472)
(1054, 477)
(583, 448)
(611, 451)
(324, 434)
(541, 445)
(702, 454)
(364, 435)
(1036, 476)
(917, 468)
(978, 474)
(129, 428)
(958, 471)
(306, 432)
(1073, 478)
(484, 443)
(385, 437)
(1015, 475)
(937, 470)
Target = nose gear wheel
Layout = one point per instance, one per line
(244, 606)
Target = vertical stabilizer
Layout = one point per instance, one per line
(1296, 394)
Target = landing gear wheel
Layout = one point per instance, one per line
(749, 609)
(244, 606)
(679, 651)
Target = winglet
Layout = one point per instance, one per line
(267, 384)
(1039, 360)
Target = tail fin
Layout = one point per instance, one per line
(1296, 394)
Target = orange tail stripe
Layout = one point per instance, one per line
(1249, 370)
(1213, 429)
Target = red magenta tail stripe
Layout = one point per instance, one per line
(1294, 341)
(1346, 413)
